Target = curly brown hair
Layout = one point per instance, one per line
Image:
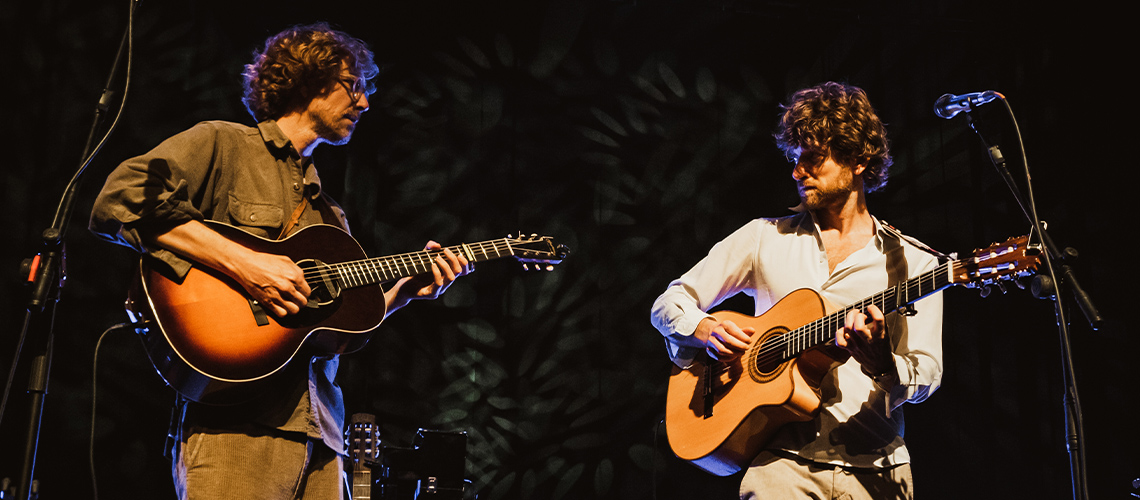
(299, 64)
(837, 119)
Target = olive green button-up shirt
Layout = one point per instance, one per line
(248, 177)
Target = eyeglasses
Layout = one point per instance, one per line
(355, 88)
(809, 158)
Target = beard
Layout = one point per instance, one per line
(827, 194)
(332, 129)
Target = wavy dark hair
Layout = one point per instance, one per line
(837, 119)
(299, 64)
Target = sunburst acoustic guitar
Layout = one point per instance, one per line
(213, 344)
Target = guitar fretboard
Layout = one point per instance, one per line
(779, 348)
(361, 483)
(383, 269)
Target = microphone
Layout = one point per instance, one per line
(949, 104)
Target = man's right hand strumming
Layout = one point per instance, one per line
(723, 340)
(274, 281)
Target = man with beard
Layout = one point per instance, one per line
(853, 448)
(308, 86)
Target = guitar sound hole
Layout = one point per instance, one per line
(322, 280)
(766, 357)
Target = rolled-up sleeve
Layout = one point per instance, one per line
(151, 193)
(724, 272)
(918, 353)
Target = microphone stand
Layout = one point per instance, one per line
(1046, 286)
(46, 273)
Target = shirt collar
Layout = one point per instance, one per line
(809, 223)
(273, 135)
(275, 139)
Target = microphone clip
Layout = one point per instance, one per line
(950, 105)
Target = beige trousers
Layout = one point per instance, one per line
(776, 477)
(255, 463)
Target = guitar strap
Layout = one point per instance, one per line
(918, 244)
(322, 205)
(897, 269)
(295, 218)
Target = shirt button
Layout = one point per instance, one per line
(296, 187)
(253, 217)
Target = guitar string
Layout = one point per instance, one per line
(497, 246)
(774, 349)
(813, 333)
(810, 334)
(373, 266)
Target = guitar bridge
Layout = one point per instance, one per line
(258, 313)
(708, 391)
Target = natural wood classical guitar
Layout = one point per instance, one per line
(362, 444)
(720, 415)
(211, 342)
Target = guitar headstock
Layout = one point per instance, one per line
(1011, 259)
(362, 440)
(539, 253)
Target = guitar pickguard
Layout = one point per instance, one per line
(325, 288)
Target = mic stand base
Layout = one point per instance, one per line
(38, 376)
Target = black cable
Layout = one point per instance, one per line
(1072, 400)
(15, 360)
(656, 446)
(63, 211)
(94, 393)
(64, 208)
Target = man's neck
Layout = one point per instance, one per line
(844, 229)
(300, 133)
(847, 218)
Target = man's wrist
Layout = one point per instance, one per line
(886, 378)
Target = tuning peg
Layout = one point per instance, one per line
(988, 288)
(1001, 286)
(526, 267)
(550, 267)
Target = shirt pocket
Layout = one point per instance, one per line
(262, 219)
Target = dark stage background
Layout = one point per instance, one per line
(637, 133)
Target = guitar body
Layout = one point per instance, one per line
(724, 431)
(720, 416)
(206, 340)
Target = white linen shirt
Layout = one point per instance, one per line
(859, 423)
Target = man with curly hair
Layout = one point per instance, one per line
(308, 86)
(853, 447)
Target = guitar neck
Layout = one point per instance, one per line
(362, 438)
(393, 267)
(890, 300)
(361, 483)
